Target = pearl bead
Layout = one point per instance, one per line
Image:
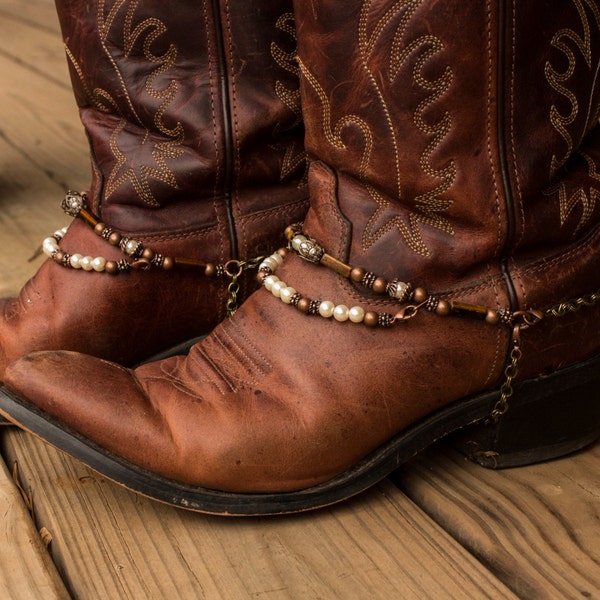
(341, 313)
(356, 314)
(277, 288)
(286, 294)
(269, 263)
(98, 264)
(131, 247)
(326, 309)
(49, 246)
(86, 263)
(297, 242)
(399, 289)
(270, 281)
(277, 258)
(75, 261)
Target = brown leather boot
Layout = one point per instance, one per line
(455, 237)
(193, 117)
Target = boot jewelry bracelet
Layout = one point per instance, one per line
(141, 258)
(411, 301)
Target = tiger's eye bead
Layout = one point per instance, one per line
(99, 228)
(420, 295)
(289, 232)
(379, 285)
(371, 319)
(443, 308)
(111, 267)
(114, 239)
(168, 263)
(210, 270)
(492, 317)
(148, 254)
(357, 274)
(303, 305)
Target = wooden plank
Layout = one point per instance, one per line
(38, 13)
(26, 569)
(43, 151)
(537, 528)
(110, 543)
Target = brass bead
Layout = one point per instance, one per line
(289, 232)
(357, 274)
(492, 317)
(148, 254)
(168, 263)
(303, 305)
(371, 319)
(59, 256)
(283, 252)
(210, 270)
(99, 228)
(420, 295)
(443, 308)
(380, 285)
(114, 239)
(260, 276)
(111, 267)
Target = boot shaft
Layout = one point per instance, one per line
(192, 110)
(461, 133)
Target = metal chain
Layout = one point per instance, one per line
(560, 310)
(233, 269)
(512, 369)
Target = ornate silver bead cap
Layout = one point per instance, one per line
(73, 203)
(307, 248)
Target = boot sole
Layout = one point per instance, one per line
(549, 416)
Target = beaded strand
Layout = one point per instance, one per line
(410, 299)
(141, 258)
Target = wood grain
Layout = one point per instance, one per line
(537, 528)
(43, 150)
(110, 543)
(26, 569)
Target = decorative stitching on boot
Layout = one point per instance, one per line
(559, 80)
(579, 197)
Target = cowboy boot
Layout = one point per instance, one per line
(193, 118)
(446, 275)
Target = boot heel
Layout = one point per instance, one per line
(548, 417)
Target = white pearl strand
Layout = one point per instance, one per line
(285, 293)
(50, 246)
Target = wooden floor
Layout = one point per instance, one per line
(445, 529)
